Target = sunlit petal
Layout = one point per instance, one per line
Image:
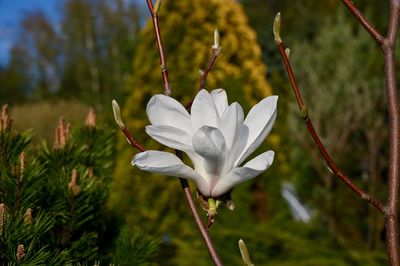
(209, 143)
(166, 111)
(220, 100)
(167, 164)
(171, 137)
(231, 124)
(238, 175)
(203, 112)
(256, 127)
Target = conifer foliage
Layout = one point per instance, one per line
(52, 199)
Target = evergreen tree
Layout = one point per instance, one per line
(52, 200)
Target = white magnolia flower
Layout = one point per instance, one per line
(215, 136)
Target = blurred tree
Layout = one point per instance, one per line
(100, 39)
(74, 59)
(14, 81)
(347, 105)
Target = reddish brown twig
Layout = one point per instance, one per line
(364, 22)
(331, 164)
(388, 45)
(216, 51)
(389, 50)
(184, 183)
(163, 64)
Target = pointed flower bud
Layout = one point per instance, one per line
(216, 39)
(117, 114)
(277, 28)
(245, 253)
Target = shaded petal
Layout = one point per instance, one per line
(203, 112)
(220, 100)
(209, 143)
(166, 111)
(170, 136)
(168, 164)
(238, 175)
(231, 124)
(256, 127)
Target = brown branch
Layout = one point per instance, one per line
(210, 65)
(184, 183)
(202, 228)
(163, 64)
(331, 164)
(389, 46)
(216, 50)
(364, 22)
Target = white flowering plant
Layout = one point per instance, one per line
(215, 136)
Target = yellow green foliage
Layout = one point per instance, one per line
(187, 29)
(43, 116)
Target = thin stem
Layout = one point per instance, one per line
(163, 63)
(210, 65)
(203, 230)
(364, 22)
(188, 195)
(204, 74)
(392, 237)
(185, 185)
(331, 164)
(132, 140)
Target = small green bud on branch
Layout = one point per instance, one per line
(117, 114)
(277, 28)
(245, 253)
(287, 52)
(157, 6)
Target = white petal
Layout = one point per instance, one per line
(231, 124)
(170, 136)
(238, 175)
(220, 100)
(166, 111)
(256, 127)
(209, 143)
(203, 112)
(167, 164)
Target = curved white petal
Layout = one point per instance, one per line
(166, 111)
(171, 137)
(220, 100)
(168, 164)
(238, 175)
(203, 112)
(209, 143)
(256, 128)
(231, 124)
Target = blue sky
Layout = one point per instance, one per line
(12, 11)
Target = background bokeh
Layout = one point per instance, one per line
(58, 58)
